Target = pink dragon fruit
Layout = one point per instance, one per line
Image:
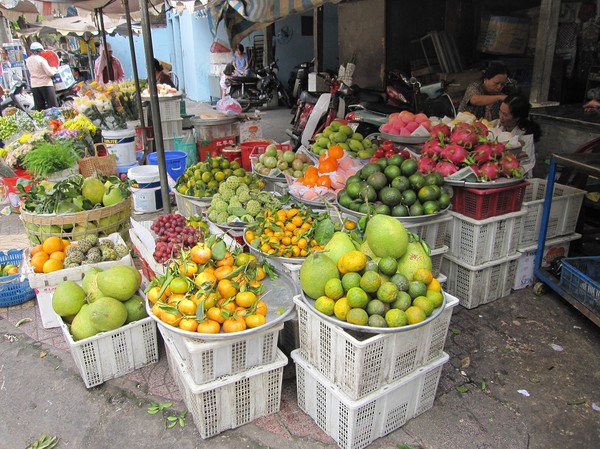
(498, 149)
(489, 171)
(465, 136)
(457, 154)
(475, 169)
(480, 128)
(483, 153)
(431, 148)
(426, 164)
(445, 168)
(441, 131)
(510, 166)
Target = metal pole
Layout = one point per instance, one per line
(135, 71)
(154, 106)
(100, 16)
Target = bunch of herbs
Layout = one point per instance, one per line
(47, 158)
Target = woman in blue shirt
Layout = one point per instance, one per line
(240, 61)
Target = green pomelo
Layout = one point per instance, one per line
(366, 250)
(340, 244)
(81, 230)
(82, 326)
(93, 189)
(107, 314)
(68, 298)
(119, 281)
(89, 278)
(112, 196)
(136, 310)
(414, 258)
(386, 236)
(316, 270)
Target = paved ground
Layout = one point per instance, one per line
(522, 342)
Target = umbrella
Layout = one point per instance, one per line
(13, 9)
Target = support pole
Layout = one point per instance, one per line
(154, 106)
(100, 16)
(544, 51)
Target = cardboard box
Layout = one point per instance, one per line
(504, 35)
(63, 78)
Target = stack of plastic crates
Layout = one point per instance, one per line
(482, 257)
(171, 121)
(564, 213)
(229, 382)
(359, 387)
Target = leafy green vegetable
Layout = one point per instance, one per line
(47, 158)
(324, 231)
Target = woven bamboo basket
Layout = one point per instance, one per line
(92, 165)
(74, 226)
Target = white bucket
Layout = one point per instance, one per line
(146, 193)
(121, 143)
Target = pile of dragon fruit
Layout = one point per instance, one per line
(467, 145)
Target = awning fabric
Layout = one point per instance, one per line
(244, 17)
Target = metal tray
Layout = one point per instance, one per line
(279, 294)
(269, 178)
(500, 182)
(368, 329)
(258, 252)
(308, 202)
(238, 226)
(404, 139)
(409, 219)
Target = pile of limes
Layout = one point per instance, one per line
(372, 293)
(394, 186)
(203, 179)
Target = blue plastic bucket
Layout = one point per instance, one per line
(175, 161)
(124, 169)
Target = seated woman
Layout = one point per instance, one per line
(240, 62)
(514, 118)
(161, 76)
(482, 98)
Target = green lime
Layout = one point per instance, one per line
(377, 307)
(409, 197)
(400, 211)
(372, 265)
(396, 318)
(437, 298)
(377, 180)
(402, 302)
(350, 279)
(390, 196)
(377, 321)
(355, 205)
(344, 199)
(368, 193)
(370, 282)
(444, 200)
(382, 162)
(431, 207)
(424, 303)
(417, 288)
(401, 183)
(415, 315)
(206, 176)
(382, 209)
(353, 189)
(409, 167)
(428, 193)
(368, 170)
(388, 265)
(401, 281)
(353, 178)
(396, 160)
(387, 292)
(366, 208)
(334, 288)
(417, 180)
(341, 308)
(325, 305)
(357, 316)
(357, 298)
(416, 209)
(392, 171)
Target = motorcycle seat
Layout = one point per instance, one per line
(307, 97)
(383, 108)
(244, 79)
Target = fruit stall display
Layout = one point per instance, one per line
(338, 133)
(274, 163)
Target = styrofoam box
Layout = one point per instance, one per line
(356, 424)
(360, 364)
(479, 241)
(231, 401)
(433, 232)
(477, 285)
(206, 361)
(43, 280)
(112, 354)
(556, 247)
(564, 211)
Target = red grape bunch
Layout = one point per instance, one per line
(173, 235)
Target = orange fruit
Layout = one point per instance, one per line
(52, 244)
(153, 294)
(36, 249)
(223, 271)
(57, 255)
(52, 265)
(205, 277)
(245, 299)
(226, 288)
(37, 261)
(225, 261)
(188, 324)
(209, 327)
(335, 151)
(214, 314)
(66, 244)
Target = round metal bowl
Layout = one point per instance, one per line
(373, 330)
(278, 296)
(258, 252)
(404, 139)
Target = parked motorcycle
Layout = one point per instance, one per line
(298, 81)
(255, 91)
(17, 97)
(66, 97)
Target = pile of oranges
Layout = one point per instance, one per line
(211, 289)
(49, 256)
(328, 162)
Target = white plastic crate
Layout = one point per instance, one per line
(436, 256)
(477, 285)
(206, 360)
(189, 205)
(433, 232)
(356, 424)
(231, 401)
(554, 248)
(172, 128)
(564, 211)
(479, 241)
(43, 280)
(170, 108)
(114, 353)
(360, 364)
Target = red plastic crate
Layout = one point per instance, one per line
(485, 203)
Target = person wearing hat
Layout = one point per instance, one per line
(161, 76)
(101, 74)
(40, 73)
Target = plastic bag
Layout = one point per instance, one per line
(229, 106)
